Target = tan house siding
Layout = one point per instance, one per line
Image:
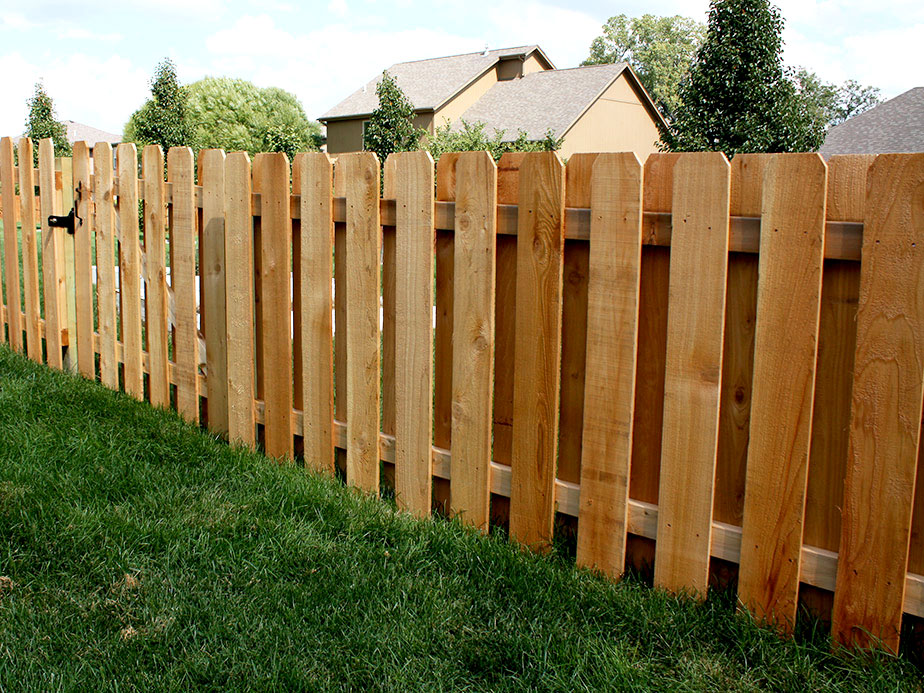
(347, 135)
(458, 104)
(534, 63)
(616, 122)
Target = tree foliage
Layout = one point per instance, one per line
(659, 49)
(472, 137)
(737, 96)
(390, 127)
(42, 123)
(237, 115)
(833, 104)
(164, 118)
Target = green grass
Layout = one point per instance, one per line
(139, 553)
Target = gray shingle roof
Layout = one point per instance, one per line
(426, 83)
(896, 125)
(539, 101)
(78, 132)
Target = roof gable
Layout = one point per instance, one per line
(428, 84)
(541, 101)
(896, 125)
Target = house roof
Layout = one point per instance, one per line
(78, 132)
(541, 101)
(896, 125)
(428, 84)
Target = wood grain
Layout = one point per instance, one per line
(52, 258)
(277, 305)
(885, 421)
(473, 336)
(30, 270)
(130, 269)
(695, 327)
(788, 305)
(84, 235)
(10, 245)
(156, 297)
(612, 339)
(183, 237)
(105, 271)
(317, 247)
(540, 246)
(214, 296)
(414, 265)
(363, 251)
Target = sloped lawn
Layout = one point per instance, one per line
(139, 553)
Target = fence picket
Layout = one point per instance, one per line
(317, 247)
(84, 235)
(183, 236)
(30, 276)
(363, 250)
(612, 330)
(239, 242)
(540, 234)
(474, 260)
(130, 269)
(212, 270)
(156, 297)
(11, 245)
(277, 305)
(788, 304)
(105, 269)
(414, 265)
(52, 259)
(695, 327)
(885, 423)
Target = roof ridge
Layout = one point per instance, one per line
(460, 55)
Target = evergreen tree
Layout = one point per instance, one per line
(163, 119)
(737, 96)
(42, 123)
(390, 127)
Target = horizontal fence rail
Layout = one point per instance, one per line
(710, 367)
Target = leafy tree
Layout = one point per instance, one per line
(164, 118)
(659, 49)
(737, 96)
(471, 137)
(390, 127)
(237, 115)
(832, 104)
(42, 123)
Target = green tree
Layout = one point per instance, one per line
(659, 49)
(237, 115)
(832, 104)
(471, 137)
(737, 96)
(390, 127)
(163, 119)
(42, 123)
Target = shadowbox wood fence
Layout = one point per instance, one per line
(707, 366)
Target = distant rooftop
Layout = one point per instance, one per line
(541, 101)
(428, 84)
(78, 132)
(896, 125)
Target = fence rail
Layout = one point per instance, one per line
(713, 367)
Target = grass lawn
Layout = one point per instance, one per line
(139, 553)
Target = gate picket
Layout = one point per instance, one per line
(105, 269)
(52, 259)
(84, 235)
(10, 245)
(130, 269)
(30, 270)
(155, 297)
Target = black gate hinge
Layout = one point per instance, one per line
(68, 222)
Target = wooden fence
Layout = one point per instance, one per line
(724, 357)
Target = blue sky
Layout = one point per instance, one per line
(96, 57)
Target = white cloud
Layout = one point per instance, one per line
(81, 34)
(564, 34)
(338, 8)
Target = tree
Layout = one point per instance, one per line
(390, 127)
(737, 96)
(471, 137)
(833, 104)
(237, 115)
(659, 49)
(163, 119)
(42, 123)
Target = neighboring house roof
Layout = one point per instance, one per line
(78, 132)
(896, 125)
(541, 101)
(428, 84)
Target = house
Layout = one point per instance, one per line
(599, 108)
(78, 132)
(896, 125)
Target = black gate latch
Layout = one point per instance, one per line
(67, 222)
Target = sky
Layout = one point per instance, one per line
(96, 57)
